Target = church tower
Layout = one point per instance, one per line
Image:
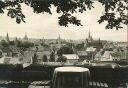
(59, 39)
(90, 39)
(25, 37)
(7, 38)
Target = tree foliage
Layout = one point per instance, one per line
(1, 54)
(116, 13)
(25, 44)
(67, 8)
(61, 59)
(52, 57)
(65, 50)
(45, 59)
(4, 43)
(34, 58)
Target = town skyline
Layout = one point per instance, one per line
(3, 37)
(45, 25)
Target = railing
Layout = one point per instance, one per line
(100, 76)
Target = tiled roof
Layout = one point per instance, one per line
(107, 54)
(98, 54)
(90, 49)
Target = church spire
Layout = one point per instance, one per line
(26, 37)
(90, 37)
(7, 38)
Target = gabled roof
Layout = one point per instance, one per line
(107, 54)
(98, 55)
(91, 49)
(71, 56)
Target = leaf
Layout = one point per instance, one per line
(18, 20)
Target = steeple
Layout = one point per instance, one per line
(89, 37)
(7, 38)
(26, 37)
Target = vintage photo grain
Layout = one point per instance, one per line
(63, 43)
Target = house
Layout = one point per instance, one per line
(110, 56)
(41, 54)
(41, 51)
(6, 51)
(10, 55)
(124, 54)
(15, 61)
(90, 49)
(9, 60)
(5, 60)
(56, 47)
(107, 56)
(27, 56)
(71, 58)
(82, 55)
(16, 52)
(122, 44)
(98, 56)
(116, 56)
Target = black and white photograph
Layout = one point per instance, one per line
(63, 43)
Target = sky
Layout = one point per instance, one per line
(45, 25)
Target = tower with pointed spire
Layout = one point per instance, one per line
(7, 38)
(89, 36)
(59, 39)
(90, 39)
(25, 37)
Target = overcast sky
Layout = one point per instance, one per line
(45, 25)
